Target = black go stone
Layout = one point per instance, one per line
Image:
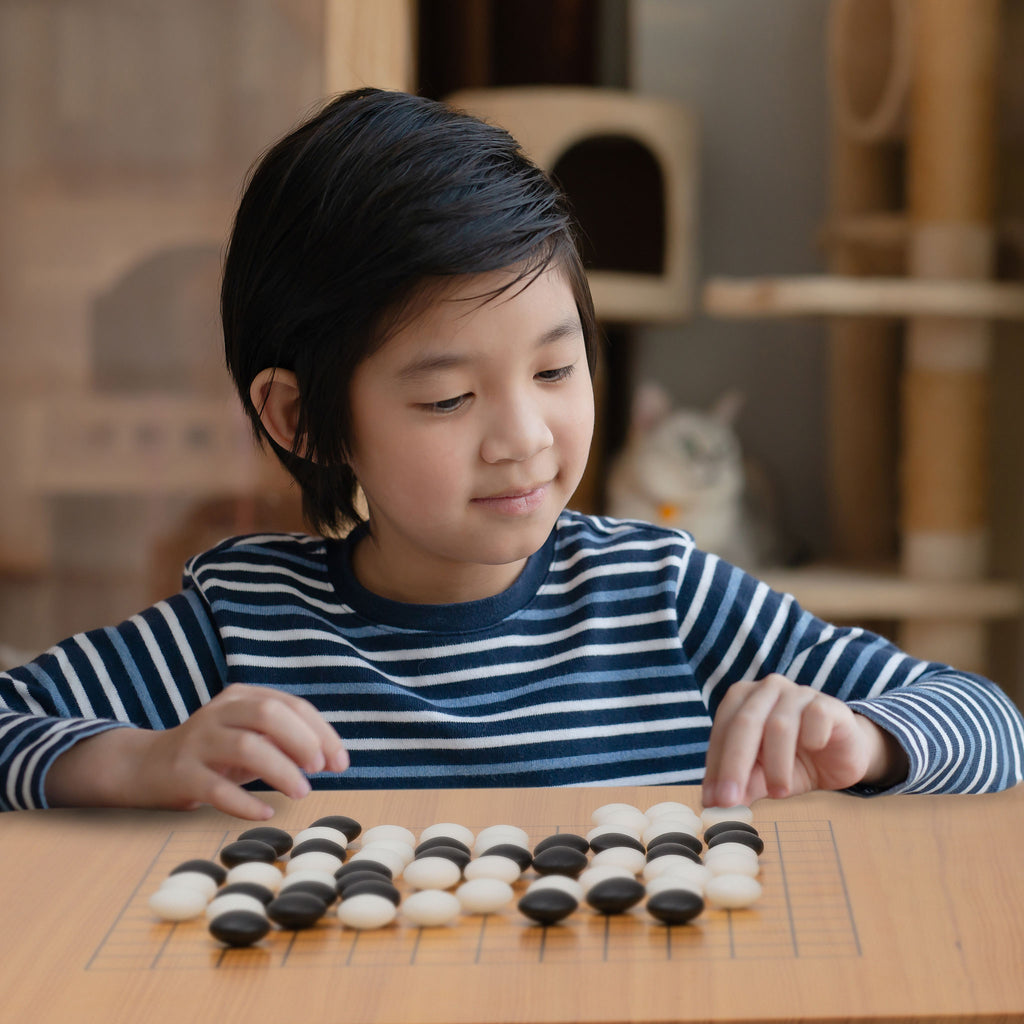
(349, 826)
(243, 850)
(512, 851)
(563, 839)
(727, 826)
(615, 895)
(355, 877)
(320, 846)
(296, 910)
(376, 886)
(560, 860)
(429, 844)
(679, 839)
(547, 906)
(675, 849)
(675, 906)
(261, 892)
(321, 890)
(756, 843)
(204, 867)
(363, 865)
(452, 853)
(280, 840)
(610, 839)
(239, 927)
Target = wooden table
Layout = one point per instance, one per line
(896, 909)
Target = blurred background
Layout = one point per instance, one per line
(813, 210)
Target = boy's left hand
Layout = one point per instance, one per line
(777, 738)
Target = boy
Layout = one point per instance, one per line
(405, 310)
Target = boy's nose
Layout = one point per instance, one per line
(518, 430)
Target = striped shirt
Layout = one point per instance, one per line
(603, 664)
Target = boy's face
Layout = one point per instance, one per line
(470, 432)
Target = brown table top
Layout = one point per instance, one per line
(896, 909)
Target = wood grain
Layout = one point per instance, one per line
(923, 923)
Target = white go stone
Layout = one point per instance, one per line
(308, 875)
(234, 901)
(449, 830)
(256, 871)
(618, 830)
(195, 880)
(495, 835)
(621, 814)
(177, 903)
(670, 862)
(399, 832)
(669, 882)
(332, 835)
(366, 910)
(670, 823)
(396, 846)
(492, 865)
(671, 808)
(734, 864)
(591, 876)
(314, 860)
(712, 815)
(394, 862)
(570, 885)
(432, 873)
(431, 908)
(729, 850)
(732, 892)
(484, 895)
(687, 870)
(620, 856)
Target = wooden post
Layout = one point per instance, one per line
(369, 43)
(951, 153)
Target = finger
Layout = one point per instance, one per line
(730, 704)
(740, 740)
(779, 742)
(225, 796)
(332, 749)
(252, 755)
(291, 722)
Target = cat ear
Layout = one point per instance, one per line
(651, 404)
(727, 408)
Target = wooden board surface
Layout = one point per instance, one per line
(902, 908)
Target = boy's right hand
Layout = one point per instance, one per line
(244, 733)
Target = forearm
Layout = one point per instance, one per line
(105, 770)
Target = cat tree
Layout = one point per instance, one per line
(937, 97)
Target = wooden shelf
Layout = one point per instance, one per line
(832, 295)
(853, 594)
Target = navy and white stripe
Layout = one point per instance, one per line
(602, 665)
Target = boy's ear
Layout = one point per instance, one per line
(275, 395)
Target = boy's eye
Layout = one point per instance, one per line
(555, 375)
(447, 404)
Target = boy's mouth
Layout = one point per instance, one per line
(518, 501)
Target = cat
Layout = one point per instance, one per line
(684, 468)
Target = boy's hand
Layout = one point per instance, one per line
(776, 738)
(244, 733)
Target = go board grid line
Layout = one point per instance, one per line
(822, 906)
(785, 891)
(846, 891)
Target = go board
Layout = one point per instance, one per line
(881, 908)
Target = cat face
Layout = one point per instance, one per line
(690, 455)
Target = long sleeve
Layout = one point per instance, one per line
(151, 672)
(962, 734)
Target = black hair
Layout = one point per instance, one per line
(342, 223)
